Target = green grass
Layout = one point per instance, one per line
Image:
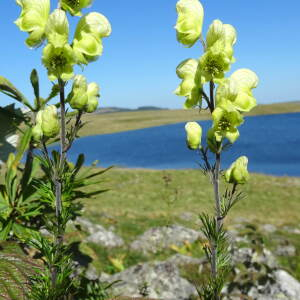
(124, 121)
(138, 196)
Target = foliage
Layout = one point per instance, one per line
(15, 271)
(19, 204)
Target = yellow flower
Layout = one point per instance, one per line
(194, 133)
(236, 91)
(87, 43)
(74, 7)
(57, 30)
(238, 173)
(33, 20)
(93, 95)
(59, 61)
(225, 122)
(189, 22)
(191, 85)
(78, 97)
(47, 123)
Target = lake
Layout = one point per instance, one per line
(271, 142)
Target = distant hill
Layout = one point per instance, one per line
(104, 110)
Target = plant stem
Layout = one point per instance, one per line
(216, 184)
(58, 179)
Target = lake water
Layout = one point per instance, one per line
(272, 144)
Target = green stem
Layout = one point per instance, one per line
(58, 180)
(216, 185)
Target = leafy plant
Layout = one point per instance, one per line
(15, 271)
(19, 204)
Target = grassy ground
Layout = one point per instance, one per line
(123, 121)
(141, 196)
(140, 199)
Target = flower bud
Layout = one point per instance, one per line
(57, 30)
(238, 173)
(33, 20)
(87, 44)
(75, 7)
(189, 22)
(50, 123)
(37, 132)
(78, 97)
(194, 132)
(93, 95)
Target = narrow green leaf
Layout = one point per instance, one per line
(9, 89)
(23, 146)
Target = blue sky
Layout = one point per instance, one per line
(140, 57)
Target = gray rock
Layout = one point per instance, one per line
(100, 235)
(285, 250)
(291, 229)
(91, 273)
(234, 237)
(159, 238)
(287, 285)
(248, 255)
(268, 228)
(161, 279)
(182, 260)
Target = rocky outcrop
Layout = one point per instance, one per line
(160, 238)
(99, 235)
(159, 280)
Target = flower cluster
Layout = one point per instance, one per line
(233, 95)
(59, 56)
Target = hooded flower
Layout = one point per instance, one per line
(33, 20)
(191, 86)
(59, 62)
(57, 30)
(93, 95)
(74, 7)
(87, 42)
(189, 22)
(214, 63)
(236, 91)
(225, 121)
(218, 55)
(194, 133)
(222, 34)
(78, 97)
(238, 173)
